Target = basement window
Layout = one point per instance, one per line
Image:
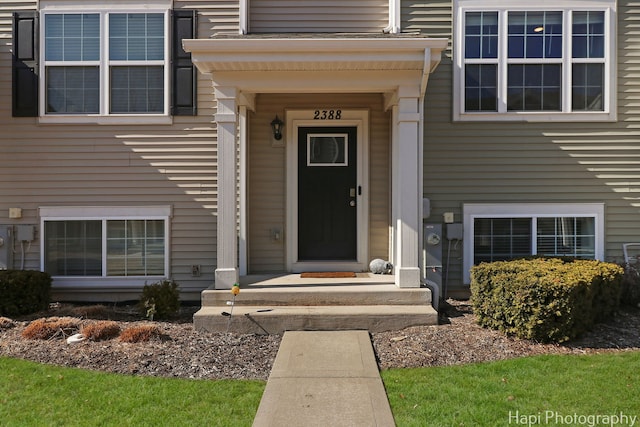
(499, 232)
(127, 245)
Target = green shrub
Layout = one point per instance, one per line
(630, 294)
(23, 292)
(544, 299)
(160, 300)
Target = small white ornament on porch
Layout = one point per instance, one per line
(380, 266)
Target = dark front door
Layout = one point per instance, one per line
(327, 193)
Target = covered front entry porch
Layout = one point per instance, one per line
(394, 68)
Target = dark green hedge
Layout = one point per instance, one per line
(23, 292)
(545, 299)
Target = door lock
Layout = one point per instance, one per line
(352, 203)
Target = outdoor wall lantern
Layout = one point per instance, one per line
(276, 127)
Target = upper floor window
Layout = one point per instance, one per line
(525, 63)
(105, 63)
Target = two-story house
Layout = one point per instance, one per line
(207, 140)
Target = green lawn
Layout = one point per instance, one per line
(519, 392)
(40, 395)
(542, 390)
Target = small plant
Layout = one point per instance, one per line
(141, 333)
(101, 330)
(44, 329)
(160, 300)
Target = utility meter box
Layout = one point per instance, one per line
(6, 247)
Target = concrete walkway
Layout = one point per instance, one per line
(324, 378)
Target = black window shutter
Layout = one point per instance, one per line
(25, 64)
(183, 97)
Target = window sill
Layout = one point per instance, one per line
(535, 117)
(107, 120)
(100, 283)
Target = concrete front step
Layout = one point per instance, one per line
(321, 295)
(275, 319)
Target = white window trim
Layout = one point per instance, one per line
(106, 213)
(103, 8)
(610, 99)
(471, 211)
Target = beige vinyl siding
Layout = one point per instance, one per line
(533, 162)
(118, 165)
(267, 175)
(318, 16)
(430, 17)
(214, 16)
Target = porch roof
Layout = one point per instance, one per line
(366, 62)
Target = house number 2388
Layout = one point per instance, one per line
(327, 114)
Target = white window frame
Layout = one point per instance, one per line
(471, 211)
(610, 73)
(104, 214)
(104, 9)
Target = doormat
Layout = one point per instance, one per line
(327, 275)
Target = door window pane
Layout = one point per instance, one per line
(327, 150)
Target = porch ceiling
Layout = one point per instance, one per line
(269, 64)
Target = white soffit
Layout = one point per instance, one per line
(250, 59)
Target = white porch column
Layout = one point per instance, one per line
(227, 245)
(405, 186)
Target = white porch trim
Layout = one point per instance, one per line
(396, 66)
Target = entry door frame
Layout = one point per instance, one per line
(329, 117)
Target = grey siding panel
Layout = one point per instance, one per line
(267, 175)
(119, 165)
(533, 162)
(318, 16)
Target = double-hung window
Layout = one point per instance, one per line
(106, 62)
(498, 232)
(535, 60)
